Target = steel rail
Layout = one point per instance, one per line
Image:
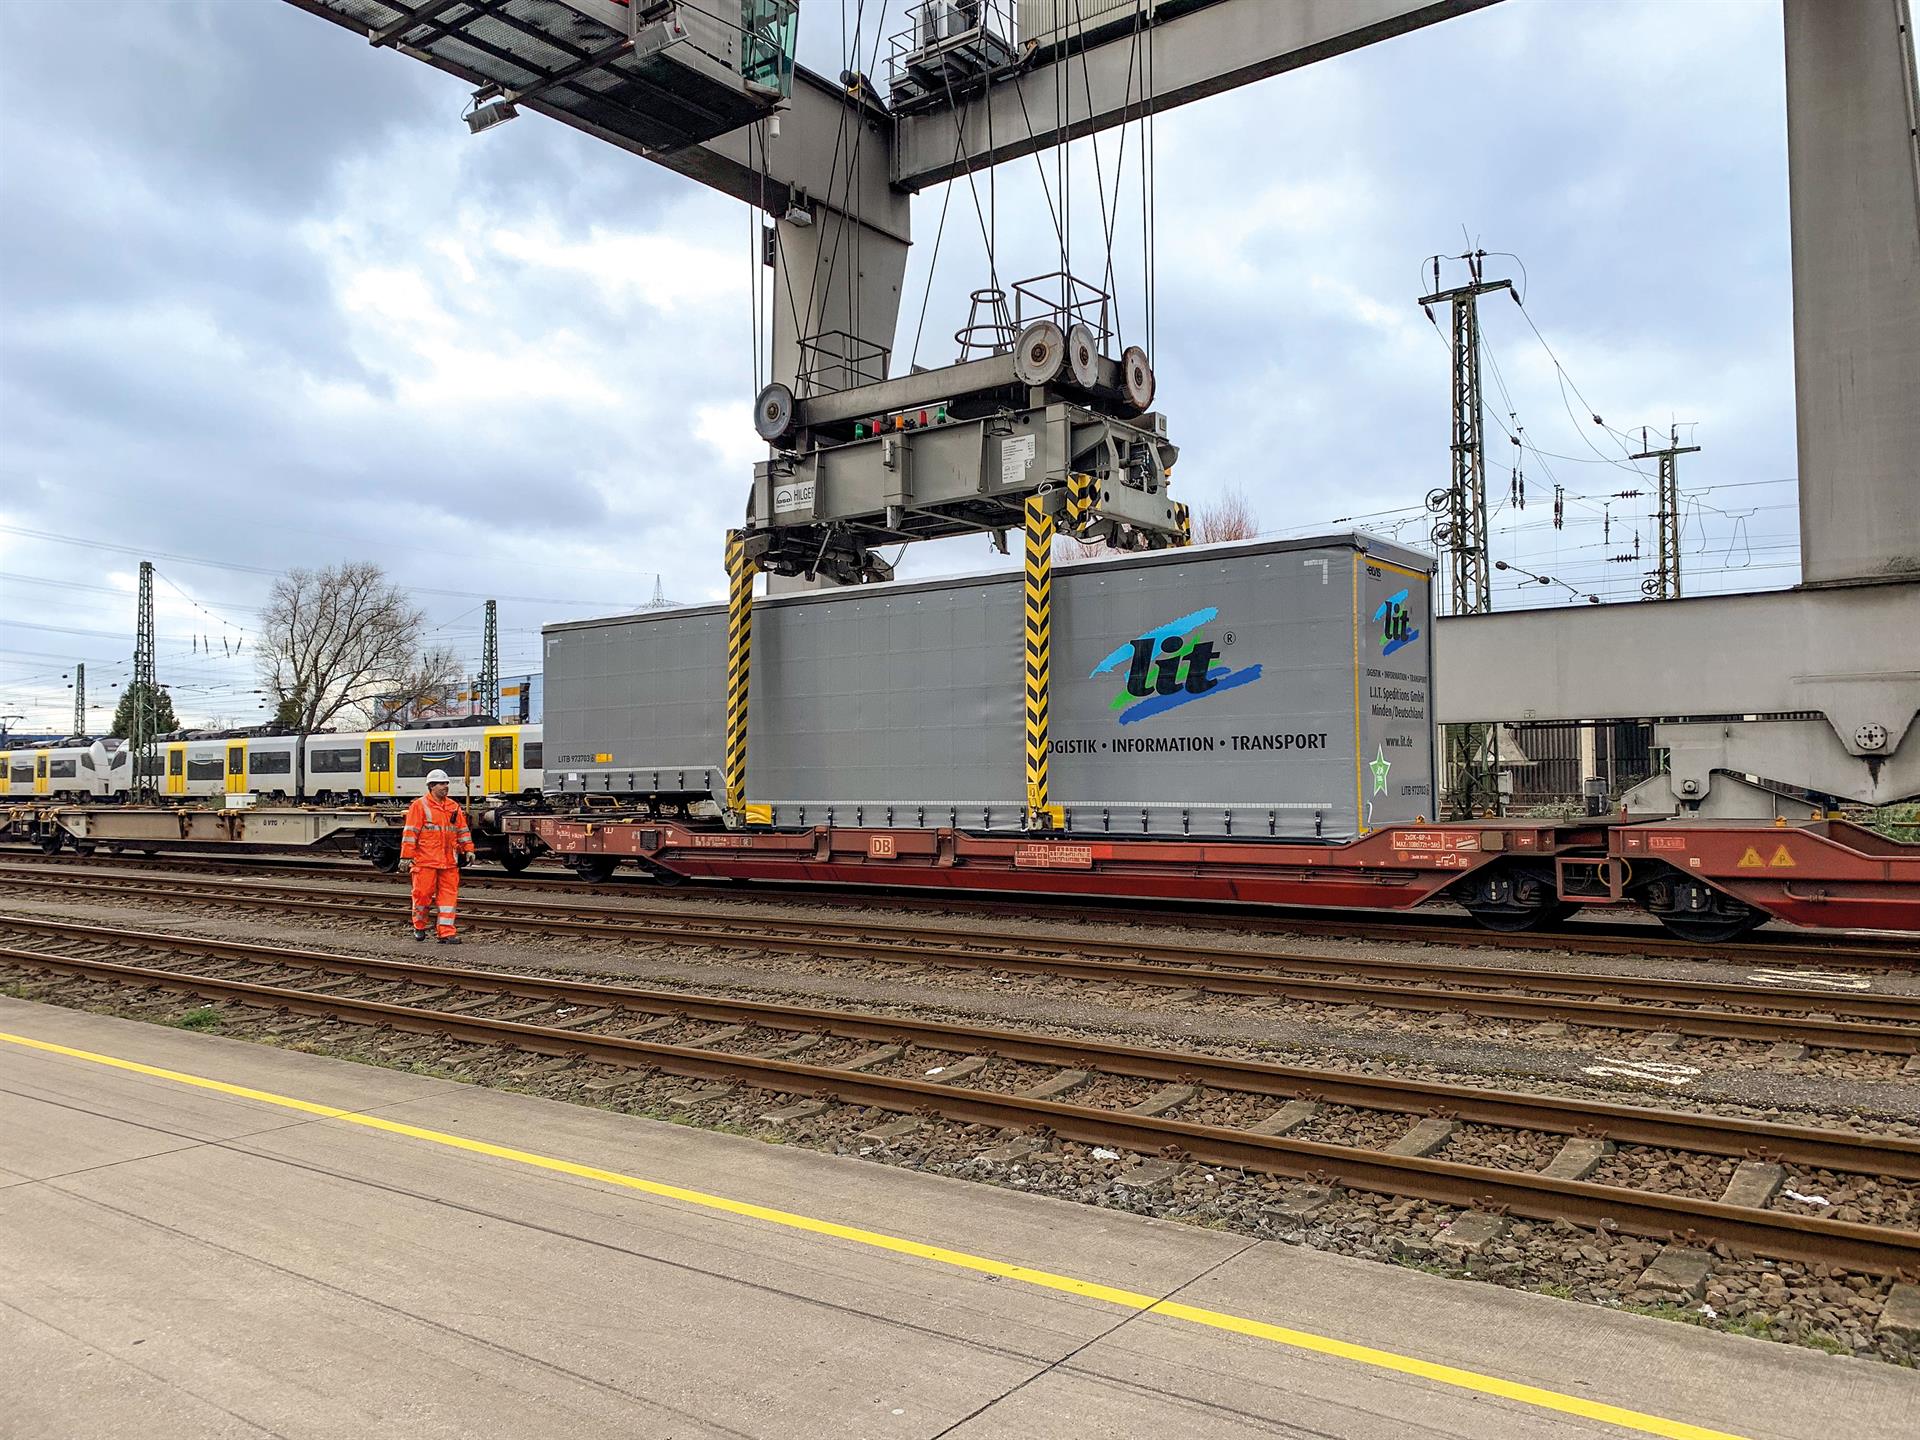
(1573, 997)
(1854, 1246)
(1893, 1156)
(1845, 949)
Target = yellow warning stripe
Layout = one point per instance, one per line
(739, 666)
(1080, 489)
(1359, 756)
(1039, 657)
(1451, 1375)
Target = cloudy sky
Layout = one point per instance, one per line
(265, 303)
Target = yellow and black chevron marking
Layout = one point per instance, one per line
(1080, 493)
(1039, 590)
(1184, 518)
(739, 656)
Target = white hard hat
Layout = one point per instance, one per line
(438, 777)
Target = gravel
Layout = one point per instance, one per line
(1778, 1300)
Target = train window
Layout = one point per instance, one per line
(530, 755)
(150, 769)
(379, 756)
(236, 762)
(86, 763)
(205, 767)
(64, 769)
(272, 762)
(40, 766)
(500, 752)
(119, 760)
(457, 763)
(176, 762)
(334, 761)
(23, 774)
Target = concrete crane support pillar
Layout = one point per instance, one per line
(1041, 814)
(739, 668)
(1854, 173)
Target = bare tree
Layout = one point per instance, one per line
(432, 676)
(1229, 517)
(335, 641)
(1066, 548)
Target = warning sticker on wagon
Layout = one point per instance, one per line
(1435, 842)
(1053, 857)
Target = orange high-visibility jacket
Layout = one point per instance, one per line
(435, 833)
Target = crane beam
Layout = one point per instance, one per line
(1203, 50)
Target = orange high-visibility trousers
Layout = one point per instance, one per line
(436, 897)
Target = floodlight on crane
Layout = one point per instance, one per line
(490, 107)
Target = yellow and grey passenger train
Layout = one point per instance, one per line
(485, 761)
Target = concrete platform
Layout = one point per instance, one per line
(362, 1253)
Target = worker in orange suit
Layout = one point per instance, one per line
(437, 845)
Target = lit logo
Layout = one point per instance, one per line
(1169, 666)
(1396, 623)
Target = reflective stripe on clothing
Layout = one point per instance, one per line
(435, 832)
(436, 897)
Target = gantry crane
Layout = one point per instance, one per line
(1815, 688)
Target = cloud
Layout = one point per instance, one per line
(264, 302)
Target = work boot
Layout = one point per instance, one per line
(420, 937)
(449, 939)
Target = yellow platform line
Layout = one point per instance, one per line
(1378, 1359)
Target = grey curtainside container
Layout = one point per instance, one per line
(1247, 689)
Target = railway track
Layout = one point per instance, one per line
(1856, 1020)
(1598, 937)
(1016, 1082)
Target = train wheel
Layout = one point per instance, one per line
(514, 861)
(1698, 912)
(1715, 928)
(386, 861)
(595, 869)
(1510, 899)
(51, 840)
(1511, 921)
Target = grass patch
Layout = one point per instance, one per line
(1558, 1292)
(204, 1017)
(1896, 822)
(1754, 1327)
